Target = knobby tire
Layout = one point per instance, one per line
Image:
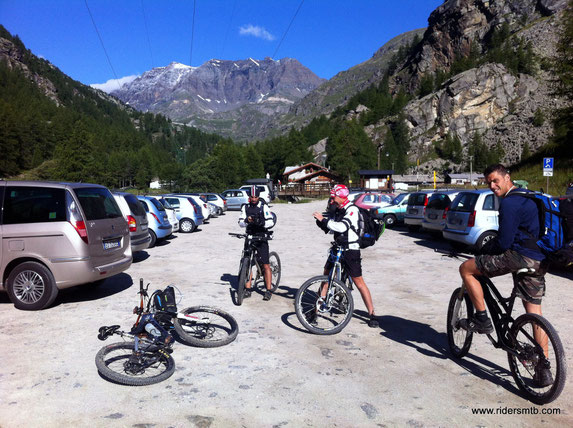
(110, 363)
(206, 327)
(459, 339)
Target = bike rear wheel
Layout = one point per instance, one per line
(275, 265)
(118, 363)
(531, 357)
(206, 327)
(318, 315)
(459, 339)
(244, 272)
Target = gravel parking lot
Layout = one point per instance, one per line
(275, 373)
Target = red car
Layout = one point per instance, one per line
(374, 200)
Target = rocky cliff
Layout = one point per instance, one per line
(490, 100)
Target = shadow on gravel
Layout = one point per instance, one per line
(414, 334)
(285, 318)
(83, 293)
(140, 256)
(489, 371)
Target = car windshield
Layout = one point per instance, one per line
(465, 202)
(399, 198)
(438, 201)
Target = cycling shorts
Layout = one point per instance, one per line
(262, 248)
(351, 261)
(529, 287)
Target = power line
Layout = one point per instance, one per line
(228, 28)
(147, 33)
(288, 28)
(102, 45)
(192, 35)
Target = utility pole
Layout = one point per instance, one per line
(471, 159)
(379, 148)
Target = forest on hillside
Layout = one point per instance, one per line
(80, 134)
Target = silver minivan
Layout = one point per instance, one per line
(435, 213)
(417, 202)
(58, 235)
(472, 219)
(136, 218)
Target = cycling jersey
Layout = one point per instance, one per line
(262, 217)
(345, 229)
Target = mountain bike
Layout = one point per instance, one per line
(249, 261)
(514, 336)
(324, 304)
(146, 357)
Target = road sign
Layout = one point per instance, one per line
(548, 167)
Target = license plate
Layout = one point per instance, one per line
(413, 211)
(108, 245)
(144, 227)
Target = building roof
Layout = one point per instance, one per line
(375, 172)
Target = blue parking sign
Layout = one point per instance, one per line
(547, 163)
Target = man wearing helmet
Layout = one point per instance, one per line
(343, 222)
(257, 218)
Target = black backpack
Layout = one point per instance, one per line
(165, 300)
(370, 227)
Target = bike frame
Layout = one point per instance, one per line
(500, 309)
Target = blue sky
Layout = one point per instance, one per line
(327, 36)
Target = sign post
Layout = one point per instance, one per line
(548, 170)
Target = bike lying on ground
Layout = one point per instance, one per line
(324, 303)
(249, 260)
(515, 336)
(146, 358)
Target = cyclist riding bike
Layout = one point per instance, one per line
(513, 250)
(256, 217)
(343, 222)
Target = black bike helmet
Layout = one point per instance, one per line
(254, 191)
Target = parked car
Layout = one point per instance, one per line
(136, 218)
(374, 200)
(170, 211)
(202, 204)
(435, 213)
(263, 188)
(394, 213)
(417, 202)
(187, 210)
(472, 219)
(355, 192)
(218, 200)
(58, 235)
(159, 225)
(235, 198)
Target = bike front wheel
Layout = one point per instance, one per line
(323, 315)
(275, 263)
(244, 273)
(119, 363)
(541, 377)
(459, 340)
(205, 326)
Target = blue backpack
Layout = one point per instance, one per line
(555, 238)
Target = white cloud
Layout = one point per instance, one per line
(114, 84)
(256, 31)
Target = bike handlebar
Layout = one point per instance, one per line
(253, 237)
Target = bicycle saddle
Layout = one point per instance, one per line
(105, 331)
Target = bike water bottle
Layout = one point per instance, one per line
(151, 329)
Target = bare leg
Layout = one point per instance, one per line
(539, 334)
(468, 272)
(268, 276)
(365, 293)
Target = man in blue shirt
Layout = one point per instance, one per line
(512, 250)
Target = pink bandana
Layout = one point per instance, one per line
(339, 190)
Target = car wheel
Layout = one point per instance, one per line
(389, 219)
(31, 286)
(186, 225)
(153, 238)
(484, 238)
